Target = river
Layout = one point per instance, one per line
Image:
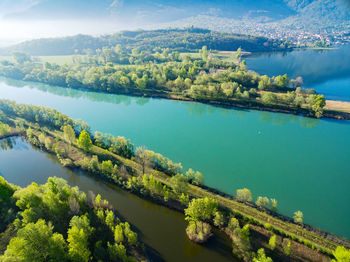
(326, 71)
(162, 229)
(300, 161)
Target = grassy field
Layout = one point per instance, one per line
(338, 106)
(60, 60)
(222, 55)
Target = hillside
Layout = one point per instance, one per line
(309, 21)
(178, 39)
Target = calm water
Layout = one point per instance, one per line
(302, 162)
(162, 229)
(327, 71)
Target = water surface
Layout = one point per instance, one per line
(302, 162)
(327, 71)
(162, 229)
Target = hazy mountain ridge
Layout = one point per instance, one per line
(148, 40)
(301, 21)
(328, 17)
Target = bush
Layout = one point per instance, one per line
(244, 195)
(272, 242)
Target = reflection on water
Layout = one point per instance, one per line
(272, 154)
(77, 94)
(327, 71)
(11, 143)
(315, 66)
(194, 108)
(161, 229)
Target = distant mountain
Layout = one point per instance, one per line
(321, 14)
(286, 19)
(142, 10)
(177, 39)
(308, 20)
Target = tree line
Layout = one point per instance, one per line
(177, 187)
(167, 73)
(183, 40)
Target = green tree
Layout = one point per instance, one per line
(269, 98)
(298, 217)
(84, 141)
(130, 235)
(204, 53)
(78, 245)
(233, 224)
(4, 129)
(190, 174)
(245, 233)
(69, 134)
(107, 167)
(201, 209)
(273, 204)
(264, 83)
(219, 219)
(316, 104)
(272, 242)
(144, 158)
(21, 57)
(244, 195)
(184, 199)
(117, 252)
(198, 178)
(36, 242)
(341, 254)
(179, 184)
(263, 202)
(118, 234)
(110, 219)
(287, 249)
(281, 81)
(261, 257)
(78, 236)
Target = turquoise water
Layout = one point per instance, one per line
(327, 71)
(302, 162)
(161, 229)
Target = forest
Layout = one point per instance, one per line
(183, 40)
(56, 222)
(149, 175)
(202, 76)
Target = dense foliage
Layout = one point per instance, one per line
(56, 222)
(166, 73)
(116, 160)
(178, 39)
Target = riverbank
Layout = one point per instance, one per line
(332, 109)
(243, 211)
(265, 222)
(13, 132)
(259, 234)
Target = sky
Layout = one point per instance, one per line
(27, 19)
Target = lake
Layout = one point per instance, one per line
(327, 71)
(161, 229)
(300, 161)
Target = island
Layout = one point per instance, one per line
(191, 65)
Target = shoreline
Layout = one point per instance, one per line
(329, 112)
(175, 205)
